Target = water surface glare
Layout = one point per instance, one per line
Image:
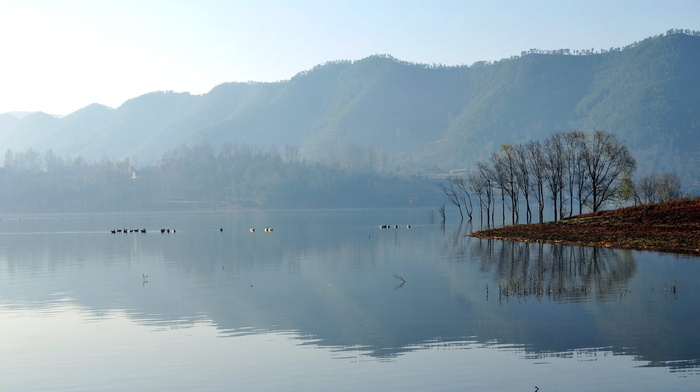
(329, 301)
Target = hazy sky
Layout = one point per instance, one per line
(60, 56)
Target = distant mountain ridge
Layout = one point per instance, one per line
(436, 117)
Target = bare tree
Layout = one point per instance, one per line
(657, 188)
(554, 170)
(452, 191)
(645, 189)
(465, 195)
(505, 162)
(537, 163)
(669, 187)
(605, 159)
(488, 177)
(457, 191)
(498, 178)
(476, 184)
(575, 174)
(523, 177)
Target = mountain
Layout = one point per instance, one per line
(422, 116)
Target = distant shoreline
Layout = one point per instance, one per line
(667, 227)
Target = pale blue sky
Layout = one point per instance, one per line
(59, 56)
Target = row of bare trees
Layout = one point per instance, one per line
(656, 188)
(571, 170)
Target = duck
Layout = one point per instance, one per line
(252, 229)
(268, 229)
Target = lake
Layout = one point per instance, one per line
(329, 301)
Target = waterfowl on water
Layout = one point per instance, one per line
(252, 229)
(268, 229)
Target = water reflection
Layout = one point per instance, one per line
(80, 354)
(635, 303)
(336, 281)
(558, 272)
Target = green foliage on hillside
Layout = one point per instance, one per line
(434, 117)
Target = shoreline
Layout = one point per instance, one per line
(672, 227)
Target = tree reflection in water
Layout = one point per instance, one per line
(557, 272)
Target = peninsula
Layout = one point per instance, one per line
(667, 227)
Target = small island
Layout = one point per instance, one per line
(666, 227)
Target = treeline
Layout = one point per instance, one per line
(233, 176)
(656, 188)
(586, 52)
(570, 171)
(566, 52)
(31, 181)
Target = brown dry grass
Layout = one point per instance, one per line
(668, 227)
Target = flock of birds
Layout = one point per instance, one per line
(126, 231)
(252, 229)
(168, 231)
(395, 226)
(114, 231)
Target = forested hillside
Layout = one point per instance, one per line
(394, 116)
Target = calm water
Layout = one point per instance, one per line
(328, 301)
